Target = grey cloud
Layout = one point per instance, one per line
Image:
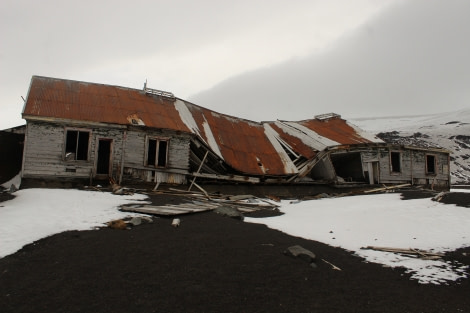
(410, 59)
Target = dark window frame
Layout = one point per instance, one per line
(77, 143)
(395, 162)
(156, 152)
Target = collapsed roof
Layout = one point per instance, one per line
(276, 148)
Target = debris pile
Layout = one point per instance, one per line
(233, 206)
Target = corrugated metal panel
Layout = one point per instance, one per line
(64, 99)
(242, 143)
(294, 138)
(336, 129)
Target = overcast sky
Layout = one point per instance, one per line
(260, 60)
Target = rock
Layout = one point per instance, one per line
(135, 221)
(146, 219)
(13, 188)
(301, 253)
(229, 211)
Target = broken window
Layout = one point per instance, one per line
(157, 152)
(430, 164)
(395, 162)
(76, 145)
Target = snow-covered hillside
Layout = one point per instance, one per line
(447, 130)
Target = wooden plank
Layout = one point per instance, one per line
(163, 210)
(421, 253)
(387, 188)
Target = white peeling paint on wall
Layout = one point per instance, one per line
(211, 139)
(306, 135)
(273, 137)
(187, 117)
(362, 133)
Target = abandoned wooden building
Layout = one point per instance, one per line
(82, 131)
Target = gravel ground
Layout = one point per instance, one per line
(211, 263)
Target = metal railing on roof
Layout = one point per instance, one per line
(156, 92)
(327, 116)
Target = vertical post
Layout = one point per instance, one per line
(370, 169)
(124, 138)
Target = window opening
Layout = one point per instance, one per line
(151, 153)
(395, 162)
(157, 152)
(430, 164)
(162, 149)
(76, 145)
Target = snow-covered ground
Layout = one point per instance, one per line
(37, 213)
(348, 222)
(382, 220)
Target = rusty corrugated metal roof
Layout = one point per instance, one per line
(65, 99)
(335, 129)
(295, 142)
(244, 145)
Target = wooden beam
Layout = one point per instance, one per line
(198, 170)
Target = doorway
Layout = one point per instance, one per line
(103, 164)
(373, 172)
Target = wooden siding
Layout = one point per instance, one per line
(43, 154)
(178, 156)
(45, 146)
(413, 168)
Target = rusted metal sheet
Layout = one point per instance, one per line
(295, 142)
(242, 143)
(64, 99)
(338, 130)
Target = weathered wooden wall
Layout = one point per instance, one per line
(413, 168)
(45, 145)
(178, 157)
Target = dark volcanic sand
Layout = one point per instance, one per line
(211, 263)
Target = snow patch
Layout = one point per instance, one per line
(382, 220)
(37, 213)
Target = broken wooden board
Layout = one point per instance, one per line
(166, 210)
(427, 255)
(387, 188)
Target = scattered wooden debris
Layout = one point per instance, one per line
(422, 254)
(439, 196)
(167, 210)
(202, 202)
(387, 188)
(332, 265)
